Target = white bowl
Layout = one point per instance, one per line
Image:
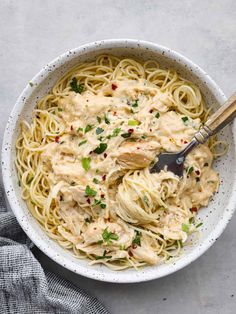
(215, 216)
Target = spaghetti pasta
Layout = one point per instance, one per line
(83, 162)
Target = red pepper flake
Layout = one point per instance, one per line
(71, 128)
(150, 130)
(138, 147)
(88, 200)
(114, 86)
(197, 172)
(105, 155)
(57, 138)
(90, 152)
(114, 113)
(193, 209)
(102, 195)
(151, 111)
(185, 142)
(104, 177)
(134, 246)
(130, 131)
(130, 253)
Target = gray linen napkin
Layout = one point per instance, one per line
(25, 288)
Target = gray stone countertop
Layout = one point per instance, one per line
(34, 32)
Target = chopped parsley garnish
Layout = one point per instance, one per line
(143, 137)
(96, 202)
(126, 135)
(99, 119)
(190, 169)
(79, 130)
(157, 115)
(89, 191)
(78, 88)
(99, 130)
(95, 180)
(31, 84)
(108, 236)
(133, 122)
(191, 220)
(86, 163)
(83, 142)
(199, 225)
(88, 128)
(134, 104)
(101, 148)
(99, 202)
(137, 239)
(107, 121)
(185, 120)
(115, 132)
(185, 228)
(100, 242)
(103, 256)
(122, 247)
(60, 109)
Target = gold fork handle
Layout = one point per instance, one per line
(218, 120)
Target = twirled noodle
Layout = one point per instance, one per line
(83, 162)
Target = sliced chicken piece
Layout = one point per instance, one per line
(73, 219)
(137, 155)
(210, 182)
(95, 230)
(145, 254)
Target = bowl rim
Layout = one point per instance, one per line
(118, 276)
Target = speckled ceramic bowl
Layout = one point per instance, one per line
(215, 216)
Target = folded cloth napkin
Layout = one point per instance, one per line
(25, 287)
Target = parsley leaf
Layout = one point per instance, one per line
(79, 130)
(88, 128)
(185, 120)
(126, 135)
(107, 121)
(89, 191)
(83, 142)
(133, 122)
(95, 180)
(86, 163)
(99, 130)
(101, 148)
(185, 228)
(103, 256)
(137, 239)
(115, 132)
(99, 119)
(78, 88)
(108, 236)
(135, 103)
(157, 115)
(190, 170)
(199, 225)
